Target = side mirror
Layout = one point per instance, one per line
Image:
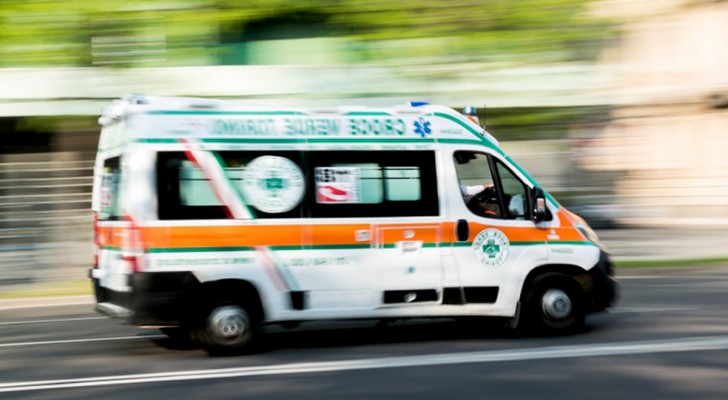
(538, 205)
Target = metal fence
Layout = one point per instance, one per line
(45, 220)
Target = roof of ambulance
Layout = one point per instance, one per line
(159, 103)
(193, 106)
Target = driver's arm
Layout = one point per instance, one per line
(475, 189)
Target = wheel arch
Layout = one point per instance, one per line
(579, 274)
(235, 291)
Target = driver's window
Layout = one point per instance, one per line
(476, 184)
(514, 193)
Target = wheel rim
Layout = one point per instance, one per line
(556, 304)
(229, 322)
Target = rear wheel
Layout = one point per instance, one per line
(227, 329)
(555, 304)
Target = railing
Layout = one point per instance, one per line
(45, 221)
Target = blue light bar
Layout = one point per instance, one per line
(470, 110)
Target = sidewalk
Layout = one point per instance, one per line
(659, 244)
(30, 302)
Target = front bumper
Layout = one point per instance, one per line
(605, 289)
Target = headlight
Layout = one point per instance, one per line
(588, 233)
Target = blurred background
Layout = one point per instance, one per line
(619, 108)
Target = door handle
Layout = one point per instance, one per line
(410, 245)
(462, 230)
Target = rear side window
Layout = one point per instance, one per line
(110, 207)
(366, 183)
(373, 184)
(290, 184)
(194, 187)
(269, 184)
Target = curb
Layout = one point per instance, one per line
(55, 301)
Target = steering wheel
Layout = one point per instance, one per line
(480, 202)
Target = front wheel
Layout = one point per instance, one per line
(555, 304)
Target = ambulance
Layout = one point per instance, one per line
(213, 219)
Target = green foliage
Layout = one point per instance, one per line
(539, 123)
(48, 124)
(688, 262)
(185, 32)
(50, 289)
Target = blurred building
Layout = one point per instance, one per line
(62, 61)
(667, 137)
(646, 120)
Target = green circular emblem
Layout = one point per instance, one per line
(273, 184)
(491, 247)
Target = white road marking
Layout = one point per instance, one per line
(106, 339)
(621, 278)
(41, 302)
(680, 277)
(48, 321)
(539, 353)
(627, 310)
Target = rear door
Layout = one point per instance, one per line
(112, 270)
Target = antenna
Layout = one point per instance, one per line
(485, 114)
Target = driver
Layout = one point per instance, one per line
(471, 191)
(472, 194)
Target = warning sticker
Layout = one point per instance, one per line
(337, 185)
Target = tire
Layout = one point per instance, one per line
(555, 304)
(227, 329)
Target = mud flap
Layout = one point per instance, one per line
(514, 322)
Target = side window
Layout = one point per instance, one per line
(195, 189)
(269, 184)
(514, 193)
(489, 188)
(373, 184)
(477, 184)
(110, 194)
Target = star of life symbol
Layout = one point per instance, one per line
(422, 127)
(491, 247)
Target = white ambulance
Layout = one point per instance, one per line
(215, 218)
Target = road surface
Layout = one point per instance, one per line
(666, 339)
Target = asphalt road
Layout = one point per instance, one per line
(666, 339)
